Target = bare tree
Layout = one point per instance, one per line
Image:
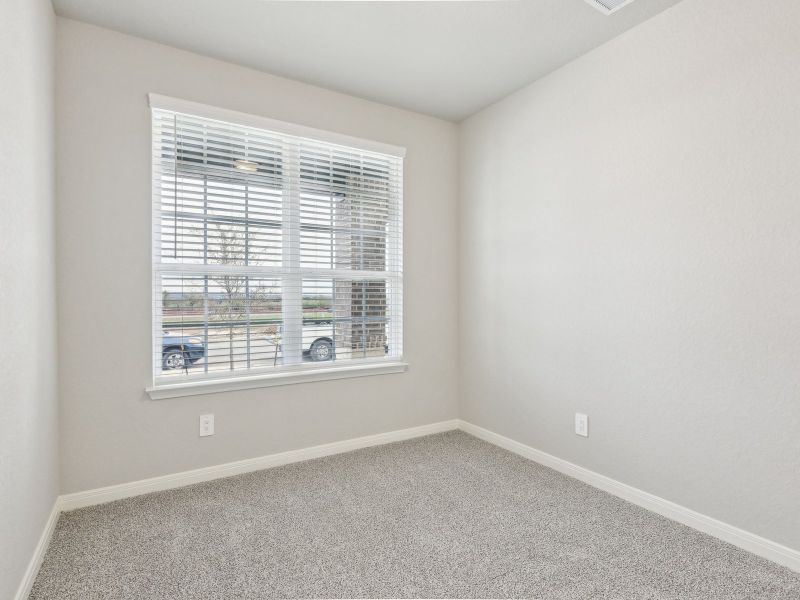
(238, 294)
(230, 305)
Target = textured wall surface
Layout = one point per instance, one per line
(28, 402)
(111, 431)
(629, 248)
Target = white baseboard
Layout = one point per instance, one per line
(29, 577)
(176, 480)
(738, 537)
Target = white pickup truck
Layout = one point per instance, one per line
(318, 341)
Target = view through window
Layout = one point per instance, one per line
(271, 251)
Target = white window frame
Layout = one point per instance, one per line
(295, 371)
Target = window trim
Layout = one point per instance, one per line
(196, 109)
(296, 373)
(299, 374)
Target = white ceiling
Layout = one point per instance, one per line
(447, 59)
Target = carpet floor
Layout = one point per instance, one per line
(446, 515)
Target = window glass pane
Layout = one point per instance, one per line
(362, 317)
(219, 322)
(352, 315)
(345, 209)
(319, 342)
(208, 221)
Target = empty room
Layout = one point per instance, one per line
(400, 299)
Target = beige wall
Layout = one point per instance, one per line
(630, 249)
(111, 431)
(28, 403)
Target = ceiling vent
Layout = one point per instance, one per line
(608, 6)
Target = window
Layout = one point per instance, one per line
(274, 250)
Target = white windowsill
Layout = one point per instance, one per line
(211, 386)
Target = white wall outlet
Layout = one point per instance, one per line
(206, 425)
(582, 424)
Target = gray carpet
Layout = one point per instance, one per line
(442, 516)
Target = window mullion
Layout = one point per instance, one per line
(205, 276)
(292, 281)
(158, 292)
(247, 300)
(394, 264)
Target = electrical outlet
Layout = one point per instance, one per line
(206, 425)
(582, 424)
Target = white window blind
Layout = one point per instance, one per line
(271, 251)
